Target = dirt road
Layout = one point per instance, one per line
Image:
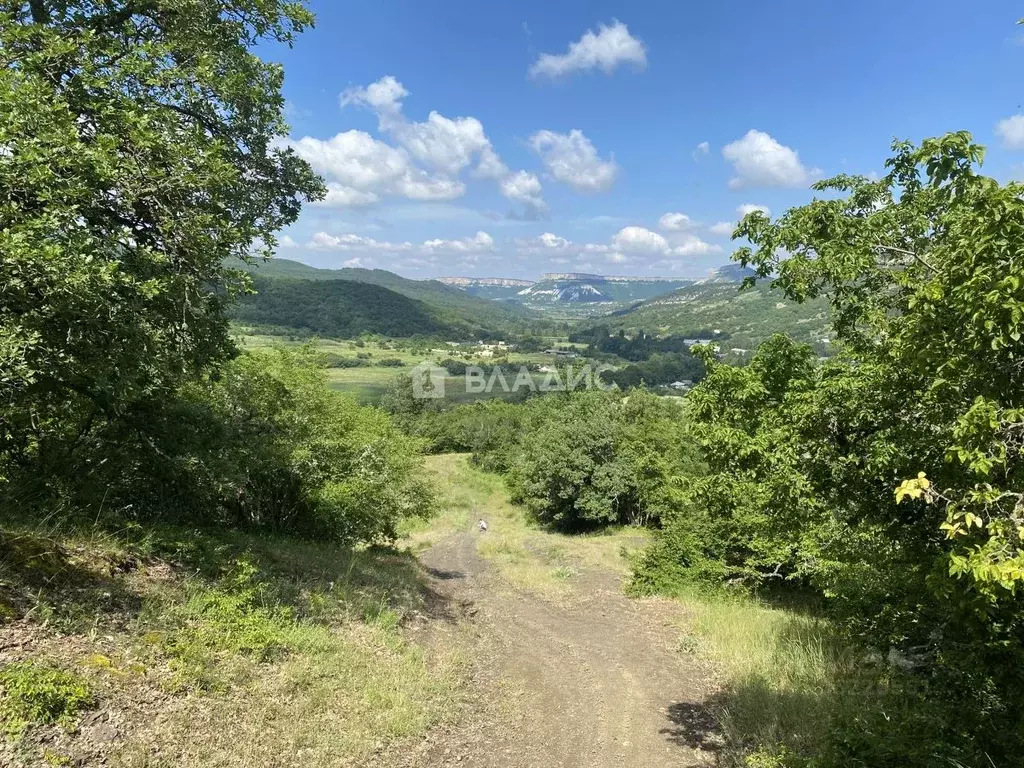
(594, 681)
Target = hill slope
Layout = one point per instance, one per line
(340, 308)
(449, 305)
(749, 317)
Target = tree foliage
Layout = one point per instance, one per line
(139, 149)
(577, 460)
(284, 452)
(339, 309)
(888, 478)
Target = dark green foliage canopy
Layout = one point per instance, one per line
(451, 306)
(338, 308)
(138, 152)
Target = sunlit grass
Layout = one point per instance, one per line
(781, 674)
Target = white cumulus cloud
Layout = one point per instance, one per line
(674, 222)
(572, 159)
(360, 169)
(691, 245)
(722, 228)
(761, 161)
(551, 240)
(446, 145)
(322, 241)
(481, 242)
(523, 187)
(490, 165)
(1011, 131)
(605, 49)
(383, 96)
(639, 239)
(478, 243)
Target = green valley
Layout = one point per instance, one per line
(259, 513)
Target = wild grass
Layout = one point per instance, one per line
(785, 677)
(212, 648)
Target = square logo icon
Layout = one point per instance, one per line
(428, 381)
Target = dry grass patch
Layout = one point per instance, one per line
(784, 677)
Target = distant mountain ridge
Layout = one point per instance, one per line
(561, 289)
(609, 278)
(581, 288)
(508, 282)
(465, 307)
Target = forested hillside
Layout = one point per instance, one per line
(454, 303)
(346, 309)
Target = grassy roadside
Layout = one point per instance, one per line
(779, 672)
(189, 648)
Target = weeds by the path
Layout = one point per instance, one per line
(195, 648)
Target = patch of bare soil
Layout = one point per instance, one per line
(595, 682)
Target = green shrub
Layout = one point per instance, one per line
(592, 458)
(293, 455)
(334, 360)
(38, 694)
(263, 443)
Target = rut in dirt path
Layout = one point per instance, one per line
(591, 682)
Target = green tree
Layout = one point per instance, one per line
(589, 458)
(925, 274)
(292, 455)
(139, 150)
(889, 477)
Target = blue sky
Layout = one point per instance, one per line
(511, 139)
